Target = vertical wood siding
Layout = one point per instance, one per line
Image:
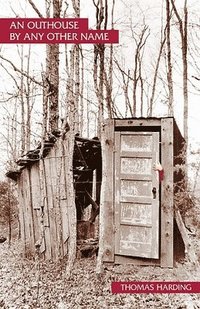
(44, 209)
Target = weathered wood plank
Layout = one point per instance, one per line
(46, 222)
(167, 209)
(107, 194)
(60, 194)
(22, 210)
(68, 150)
(53, 203)
(49, 194)
(29, 213)
(135, 122)
(128, 154)
(56, 189)
(120, 259)
(156, 199)
(136, 199)
(36, 199)
(35, 185)
(64, 203)
(25, 216)
(117, 193)
(42, 203)
(65, 226)
(136, 177)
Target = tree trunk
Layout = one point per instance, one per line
(82, 93)
(155, 77)
(53, 75)
(72, 106)
(183, 29)
(185, 72)
(53, 86)
(99, 61)
(23, 131)
(169, 60)
(137, 73)
(28, 103)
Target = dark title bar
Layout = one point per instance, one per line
(53, 31)
(164, 287)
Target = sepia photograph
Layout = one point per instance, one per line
(99, 154)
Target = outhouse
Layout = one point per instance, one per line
(137, 207)
(49, 221)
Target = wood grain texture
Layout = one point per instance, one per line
(107, 192)
(167, 209)
(134, 180)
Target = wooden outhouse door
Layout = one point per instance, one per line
(136, 194)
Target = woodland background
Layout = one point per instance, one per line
(154, 71)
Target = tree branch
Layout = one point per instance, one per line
(21, 72)
(178, 18)
(35, 8)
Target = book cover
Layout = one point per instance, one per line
(99, 154)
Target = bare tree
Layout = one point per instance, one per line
(99, 60)
(8, 206)
(108, 74)
(72, 120)
(23, 98)
(126, 78)
(165, 39)
(183, 29)
(137, 72)
(52, 75)
(155, 77)
(169, 60)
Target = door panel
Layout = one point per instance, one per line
(131, 188)
(139, 143)
(136, 207)
(133, 214)
(136, 166)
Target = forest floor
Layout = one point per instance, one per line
(32, 284)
